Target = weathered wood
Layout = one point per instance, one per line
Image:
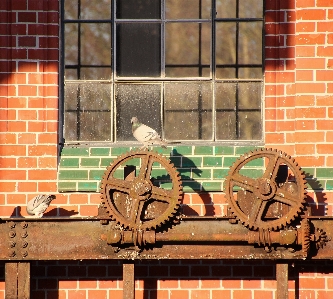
(282, 281)
(128, 280)
(17, 280)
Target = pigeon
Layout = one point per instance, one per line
(38, 205)
(145, 134)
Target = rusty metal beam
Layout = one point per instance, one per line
(17, 280)
(282, 281)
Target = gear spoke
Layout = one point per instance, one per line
(243, 182)
(119, 185)
(146, 166)
(286, 198)
(161, 194)
(272, 167)
(257, 212)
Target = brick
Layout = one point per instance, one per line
(313, 63)
(8, 138)
(7, 186)
(311, 14)
(307, 39)
(311, 112)
(47, 187)
(225, 294)
(309, 137)
(310, 161)
(50, 138)
(26, 138)
(89, 210)
(27, 162)
(305, 125)
(42, 175)
(12, 150)
(7, 162)
(6, 211)
(325, 26)
(177, 294)
(42, 150)
(47, 162)
(324, 75)
(324, 3)
(304, 75)
(27, 187)
(16, 199)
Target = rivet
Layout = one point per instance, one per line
(24, 224)
(12, 244)
(24, 234)
(12, 224)
(12, 253)
(24, 244)
(24, 253)
(12, 234)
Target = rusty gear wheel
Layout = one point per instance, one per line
(146, 200)
(267, 199)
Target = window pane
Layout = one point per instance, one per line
(225, 8)
(226, 125)
(225, 96)
(138, 9)
(70, 9)
(250, 8)
(87, 112)
(250, 73)
(225, 72)
(93, 73)
(250, 43)
(96, 44)
(140, 100)
(95, 10)
(71, 44)
(225, 43)
(249, 125)
(249, 95)
(188, 111)
(187, 9)
(138, 50)
(187, 46)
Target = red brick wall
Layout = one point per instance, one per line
(298, 119)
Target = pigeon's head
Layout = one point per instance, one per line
(134, 120)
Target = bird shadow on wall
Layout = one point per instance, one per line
(317, 204)
(187, 168)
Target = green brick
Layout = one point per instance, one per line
(189, 186)
(88, 186)
(329, 185)
(119, 173)
(134, 162)
(212, 186)
(324, 172)
(69, 162)
(100, 151)
(105, 162)
(193, 162)
(228, 161)
(176, 161)
(74, 151)
(203, 150)
(245, 149)
(252, 173)
(66, 186)
(309, 172)
(96, 174)
(117, 151)
(73, 174)
(202, 174)
(224, 150)
(90, 162)
(220, 173)
(161, 174)
(182, 151)
(185, 173)
(212, 161)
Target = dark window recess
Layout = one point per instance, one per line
(191, 69)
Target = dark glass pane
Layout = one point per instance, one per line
(71, 44)
(250, 125)
(70, 9)
(250, 43)
(225, 96)
(187, 9)
(70, 74)
(138, 50)
(188, 111)
(226, 125)
(250, 73)
(187, 45)
(225, 8)
(91, 73)
(87, 112)
(94, 10)
(140, 100)
(225, 72)
(225, 43)
(138, 9)
(250, 8)
(249, 95)
(96, 44)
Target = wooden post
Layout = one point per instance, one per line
(17, 280)
(282, 281)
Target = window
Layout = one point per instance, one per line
(192, 69)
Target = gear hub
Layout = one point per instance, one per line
(267, 199)
(145, 200)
